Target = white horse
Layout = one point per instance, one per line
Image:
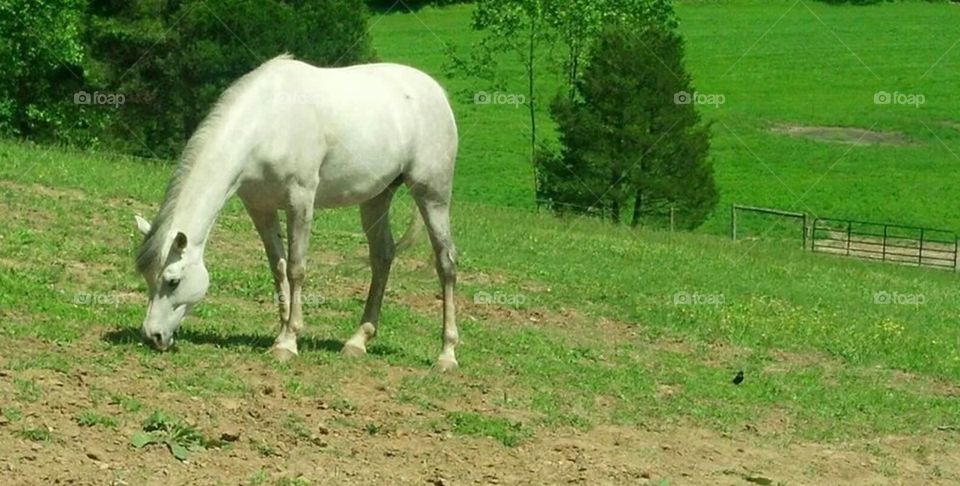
(294, 137)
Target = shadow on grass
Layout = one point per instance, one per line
(131, 336)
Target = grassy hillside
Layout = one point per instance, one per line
(590, 353)
(777, 63)
(590, 327)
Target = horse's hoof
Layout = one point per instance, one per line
(282, 354)
(447, 365)
(353, 351)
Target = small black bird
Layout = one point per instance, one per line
(739, 378)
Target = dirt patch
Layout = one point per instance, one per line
(951, 124)
(845, 135)
(784, 361)
(923, 384)
(45, 191)
(378, 440)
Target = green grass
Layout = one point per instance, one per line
(775, 62)
(804, 328)
(506, 432)
(92, 418)
(565, 323)
(27, 391)
(35, 434)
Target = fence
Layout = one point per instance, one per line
(908, 245)
(668, 212)
(802, 217)
(911, 245)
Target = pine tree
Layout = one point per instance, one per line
(633, 142)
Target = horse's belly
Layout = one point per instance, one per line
(350, 182)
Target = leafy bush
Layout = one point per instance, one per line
(146, 72)
(41, 53)
(194, 51)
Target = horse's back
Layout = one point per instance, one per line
(359, 127)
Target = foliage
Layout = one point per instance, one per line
(525, 28)
(631, 134)
(394, 5)
(178, 437)
(41, 57)
(144, 73)
(176, 61)
(578, 25)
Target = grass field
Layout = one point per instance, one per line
(611, 341)
(777, 63)
(590, 354)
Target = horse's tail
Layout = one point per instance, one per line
(414, 229)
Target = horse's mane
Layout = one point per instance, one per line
(155, 243)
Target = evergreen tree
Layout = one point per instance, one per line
(632, 140)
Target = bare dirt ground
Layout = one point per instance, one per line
(847, 135)
(333, 450)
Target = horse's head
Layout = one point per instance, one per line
(176, 281)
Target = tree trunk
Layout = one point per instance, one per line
(637, 206)
(532, 107)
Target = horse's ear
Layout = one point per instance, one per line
(142, 224)
(180, 241)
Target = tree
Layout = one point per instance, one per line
(578, 24)
(41, 54)
(630, 136)
(172, 60)
(519, 27)
(526, 28)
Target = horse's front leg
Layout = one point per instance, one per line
(299, 220)
(268, 226)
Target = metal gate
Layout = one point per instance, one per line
(910, 245)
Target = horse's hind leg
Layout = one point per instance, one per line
(435, 208)
(375, 217)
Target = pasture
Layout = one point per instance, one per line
(778, 64)
(589, 353)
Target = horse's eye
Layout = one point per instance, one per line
(173, 283)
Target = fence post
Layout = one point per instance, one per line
(956, 247)
(803, 238)
(733, 222)
(920, 253)
(849, 229)
(671, 218)
(883, 246)
(813, 236)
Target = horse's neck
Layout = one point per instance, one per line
(203, 193)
